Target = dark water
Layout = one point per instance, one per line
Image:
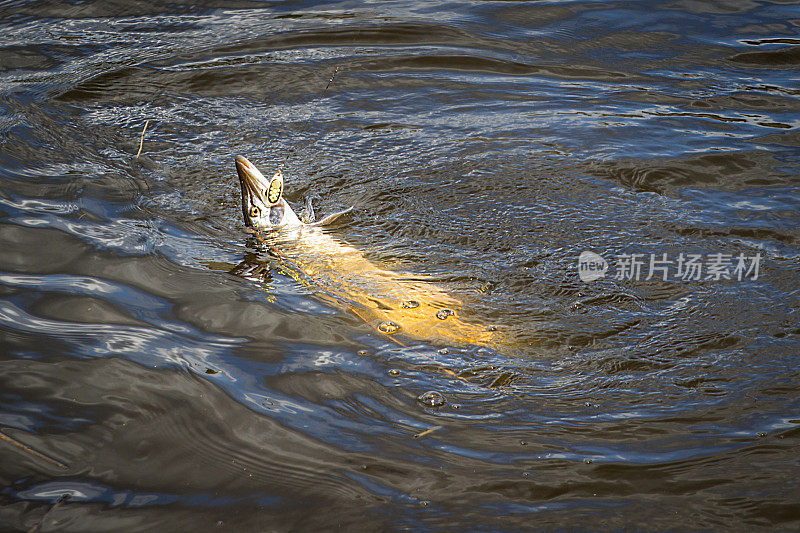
(173, 377)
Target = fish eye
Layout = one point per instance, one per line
(255, 212)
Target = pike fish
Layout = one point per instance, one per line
(398, 306)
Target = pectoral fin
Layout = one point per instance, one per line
(330, 219)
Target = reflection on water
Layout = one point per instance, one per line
(162, 369)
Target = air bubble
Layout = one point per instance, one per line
(388, 327)
(444, 313)
(410, 304)
(432, 399)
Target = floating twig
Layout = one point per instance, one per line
(38, 527)
(427, 432)
(141, 141)
(31, 451)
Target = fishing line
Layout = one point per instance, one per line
(317, 287)
(308, 142)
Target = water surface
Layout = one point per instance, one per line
(166, 373)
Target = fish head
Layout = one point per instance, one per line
(263, 205)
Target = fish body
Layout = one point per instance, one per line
(395, 305)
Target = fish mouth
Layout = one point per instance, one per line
(252, 180)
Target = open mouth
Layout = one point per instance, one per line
(269, 192)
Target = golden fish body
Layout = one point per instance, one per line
(396, 305)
